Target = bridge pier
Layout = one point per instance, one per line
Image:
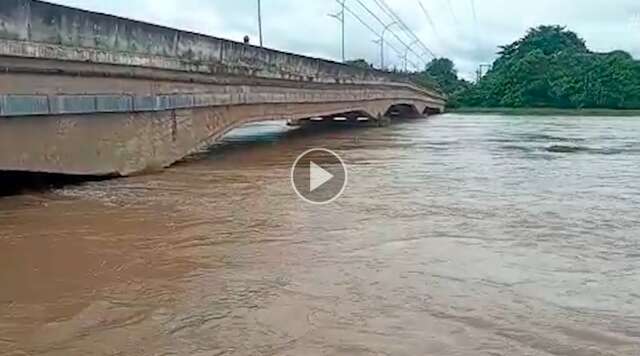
(383, 120)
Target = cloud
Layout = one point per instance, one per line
(305, 27)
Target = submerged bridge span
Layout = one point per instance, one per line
(94, 94)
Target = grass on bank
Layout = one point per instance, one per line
(543, 111)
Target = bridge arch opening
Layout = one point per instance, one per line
(408, 111)
(428, 111)
(346, 117)
(270, 128)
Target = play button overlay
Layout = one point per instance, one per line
(319, 176)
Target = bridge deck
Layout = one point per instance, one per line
(88, 93)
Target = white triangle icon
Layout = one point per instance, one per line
(318, 176)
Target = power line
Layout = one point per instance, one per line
(473, 11)
(372, 30)
(394, 17)
(453, 14)
(359, 19)
(340, 17)
(386, 25)
(429, 19)
(431, 23)
(476, 27)
(389, 12)
(382, 22)
(383, 5)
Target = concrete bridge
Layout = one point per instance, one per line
(94, 94)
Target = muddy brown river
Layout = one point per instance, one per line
(457, 235)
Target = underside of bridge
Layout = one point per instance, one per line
(132, 142)
(80, 95)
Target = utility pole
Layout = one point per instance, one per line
(260, 22)
(377, 42)
(386, 28)
(404, 61)
(480, 73)
(342, 28)
(340, 17)
(406, 53)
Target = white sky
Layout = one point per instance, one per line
(303, 26)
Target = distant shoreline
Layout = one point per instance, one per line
(543, 111)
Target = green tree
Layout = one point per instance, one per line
(441, 73)
(552, 67)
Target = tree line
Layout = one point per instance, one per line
(550, 67)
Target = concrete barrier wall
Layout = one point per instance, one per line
(12, 105)
(57, 26)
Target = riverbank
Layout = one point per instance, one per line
(544, 111)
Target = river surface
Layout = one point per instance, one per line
(457, 235)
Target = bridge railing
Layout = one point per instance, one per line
(39, 29)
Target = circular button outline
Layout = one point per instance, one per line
(342, 164)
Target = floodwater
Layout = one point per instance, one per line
(457, 235)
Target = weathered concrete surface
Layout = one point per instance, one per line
(86, 93)
(28, 88)
(135, 142)
(37, 29)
